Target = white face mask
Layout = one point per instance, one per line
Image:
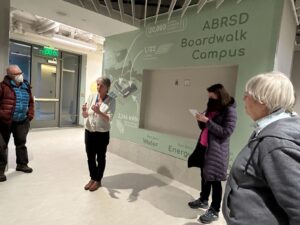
(19, 78)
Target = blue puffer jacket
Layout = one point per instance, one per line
(22, 101)
(8, 102)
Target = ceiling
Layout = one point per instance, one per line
(136, 12)
(74, 16)
(22, 22)
(110, 17)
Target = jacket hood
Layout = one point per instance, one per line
(287, 128)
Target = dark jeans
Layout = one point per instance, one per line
(206, 187)
(19, 131)
(96, 146)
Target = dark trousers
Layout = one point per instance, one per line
(96, 146)
(206, 187)
(19, 131)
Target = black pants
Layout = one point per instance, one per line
(19, 131)
(96, 146)
(206, 187)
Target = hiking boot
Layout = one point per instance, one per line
(24, 168)
(95, 185)
(209, 216)
(198, 203)
(2, 177)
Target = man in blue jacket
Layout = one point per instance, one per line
(16, 112)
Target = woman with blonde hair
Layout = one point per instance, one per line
(264, 183)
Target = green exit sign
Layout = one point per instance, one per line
(51, 52)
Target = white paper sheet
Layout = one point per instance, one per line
(193, 112)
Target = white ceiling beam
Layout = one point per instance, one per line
(94, 5)
(171, 8)
(108, 6)
(133, 10)
(219, 3)
(157, 10)
(201, 4)
(185, 7)
(145, 13)
(81, 3)
(295, 12)
(121, 7)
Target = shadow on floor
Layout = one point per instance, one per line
(150, 187)
(193, 223)
(135, 181)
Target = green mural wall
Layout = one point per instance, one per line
(243, 34)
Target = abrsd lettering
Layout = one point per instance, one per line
(226, 21)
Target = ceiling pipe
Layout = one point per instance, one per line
(48, 26)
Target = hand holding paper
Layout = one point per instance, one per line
(194, 112)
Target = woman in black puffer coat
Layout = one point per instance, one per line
(212, 150)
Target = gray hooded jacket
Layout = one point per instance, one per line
(264, 184)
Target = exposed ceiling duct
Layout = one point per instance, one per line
(45, 26)
(24, 22)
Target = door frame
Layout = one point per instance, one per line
(40, 60)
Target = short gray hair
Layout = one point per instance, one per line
(274, 89)
(11, 67)
(105, 80)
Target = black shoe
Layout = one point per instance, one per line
(198, 204)
(209, 216)
(24, 168)
(2, 177)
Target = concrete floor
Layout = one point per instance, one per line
(53, 194)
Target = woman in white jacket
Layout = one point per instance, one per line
(98, 111)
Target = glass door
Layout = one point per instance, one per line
(45, 89)
(20, 54)
(69, 89)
